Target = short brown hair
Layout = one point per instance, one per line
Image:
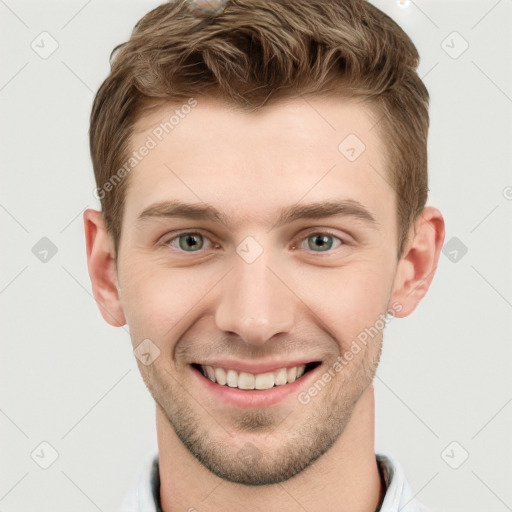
(256, 51)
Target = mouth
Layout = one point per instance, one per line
(244, 380)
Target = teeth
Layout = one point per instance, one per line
(210, 373)
(220, 376)
(280, 377)
(244, 380)
(232, 378)
(264, 380)
(291, 374)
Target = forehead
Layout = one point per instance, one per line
(307, 148)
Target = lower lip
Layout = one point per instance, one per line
(256, 397)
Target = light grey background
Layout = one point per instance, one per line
(69, 379)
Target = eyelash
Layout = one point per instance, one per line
(168, 241)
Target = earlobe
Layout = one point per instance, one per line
(418, 264)
(102, 268)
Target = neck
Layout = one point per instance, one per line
(345, 478)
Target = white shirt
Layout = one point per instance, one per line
(144, 496)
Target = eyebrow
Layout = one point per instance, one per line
(206, 212)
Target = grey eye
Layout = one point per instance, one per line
(188, 242)
(321, 242)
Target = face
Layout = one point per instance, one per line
(252, 245)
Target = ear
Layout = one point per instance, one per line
(418, 263)
(102, 268)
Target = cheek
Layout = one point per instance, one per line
(347, 301)
(157, 300)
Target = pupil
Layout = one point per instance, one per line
(190, 242)
(323, 241)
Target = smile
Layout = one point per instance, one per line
(251, 384)
(256, 381)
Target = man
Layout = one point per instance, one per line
(262, 170)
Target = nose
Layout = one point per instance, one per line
(255, 301)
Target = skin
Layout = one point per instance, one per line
(298, 300)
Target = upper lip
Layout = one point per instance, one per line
(255, 367)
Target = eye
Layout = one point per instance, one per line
(320, 242)
(190, 241)
(194, 241)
